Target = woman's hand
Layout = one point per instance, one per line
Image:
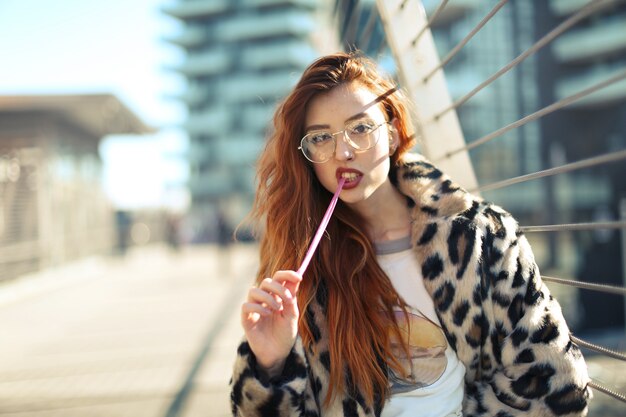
(270, 319)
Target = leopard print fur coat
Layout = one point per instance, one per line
(496, 312)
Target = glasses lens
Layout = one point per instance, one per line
(318, 146)
(362, 134)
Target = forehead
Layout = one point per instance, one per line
(336, 106)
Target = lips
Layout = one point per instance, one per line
(353, 177)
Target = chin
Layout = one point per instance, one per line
(355, 197)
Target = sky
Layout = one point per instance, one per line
(106, 46)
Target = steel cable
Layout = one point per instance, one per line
(607, 391)
(349, 29)
(574, 226)
(430, 21)
(538, 114)
(368, 29)
(600, 349)
(612, 289)
(589, 9)
(465, 40)
(585, 163)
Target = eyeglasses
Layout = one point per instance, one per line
(319, 146)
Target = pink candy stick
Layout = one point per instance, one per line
(321, 228)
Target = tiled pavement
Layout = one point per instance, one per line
(153, 334)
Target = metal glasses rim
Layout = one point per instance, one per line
(344, 135)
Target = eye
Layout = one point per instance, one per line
(319, 138)
(362, 127)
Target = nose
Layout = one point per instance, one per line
(343, 151)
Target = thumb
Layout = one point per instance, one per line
(293, 287)
(290, 304)
(290, 280)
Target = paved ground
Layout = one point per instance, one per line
(150, 335)
(127, 337)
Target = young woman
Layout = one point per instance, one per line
(421, 300)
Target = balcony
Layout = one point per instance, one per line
(267, 26)
(239, 149)
(252, 88)
(594, 42)
(258, 117)
(232, 149)
(605, 96)
(227, 178)
(214, 183)
(211, 121)
(245, 179)
(188, 38)
(205, 64)
(566, 7)
(273, 3)
(199, 152)
(191, 97)
(454, 10)
(563, 8)
(296, 53)
(196, 9)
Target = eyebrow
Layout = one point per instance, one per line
(349, 119)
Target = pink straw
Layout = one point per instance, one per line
(321, 228)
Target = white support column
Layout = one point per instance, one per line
(414, 62)
(622, 209)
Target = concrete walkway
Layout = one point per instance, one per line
(153, 334)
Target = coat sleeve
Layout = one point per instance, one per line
(254, 394)
(538, 371)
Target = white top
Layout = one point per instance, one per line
(436, 376)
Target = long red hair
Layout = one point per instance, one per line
(289, 204)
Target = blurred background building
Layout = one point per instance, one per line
(240, 59)
(591, 52)
(52, 205)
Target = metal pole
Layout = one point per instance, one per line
(622, 209)
(403, 22)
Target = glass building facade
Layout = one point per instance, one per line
(591, 51)
(242, 57)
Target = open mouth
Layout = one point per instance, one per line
(352, 177)
(349, 176)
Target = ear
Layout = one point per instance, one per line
(394, 138)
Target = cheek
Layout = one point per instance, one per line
(317, 171)
(380, 157)
(380, 165)
(382, 147)
(323, 174)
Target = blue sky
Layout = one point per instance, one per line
(115, 46)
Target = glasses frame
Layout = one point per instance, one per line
(346, 138)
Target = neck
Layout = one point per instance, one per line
(386, 214)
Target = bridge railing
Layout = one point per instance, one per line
(409, 39)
